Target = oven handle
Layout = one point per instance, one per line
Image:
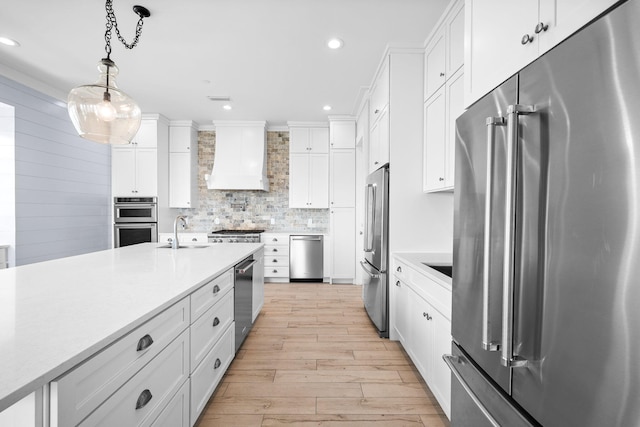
(242, 269)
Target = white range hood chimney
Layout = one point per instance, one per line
(240, 159)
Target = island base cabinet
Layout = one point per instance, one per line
(176, 414)
(207, 375)
(141, 400)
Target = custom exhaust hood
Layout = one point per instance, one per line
(240, 158)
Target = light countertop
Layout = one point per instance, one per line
(416, 260)
(55, 314)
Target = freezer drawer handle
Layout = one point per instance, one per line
(373, 275)
(489, 343)
(507, 359)
(451, 360)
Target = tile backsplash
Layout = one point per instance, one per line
(261, 206)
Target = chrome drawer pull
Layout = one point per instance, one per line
(216, 289)
(217, 364)
(143, 399)
(216, 321)
(144, 343)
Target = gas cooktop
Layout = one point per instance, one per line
(236, 232)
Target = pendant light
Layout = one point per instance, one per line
(100, 111)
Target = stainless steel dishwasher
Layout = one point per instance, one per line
(243, 299)
(305, 258)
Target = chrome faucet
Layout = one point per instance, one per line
(174, 243)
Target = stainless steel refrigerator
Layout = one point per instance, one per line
(546, 280)
(375, 292)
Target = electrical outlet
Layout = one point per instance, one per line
(309, 222)
(273, 221)
(216, 221)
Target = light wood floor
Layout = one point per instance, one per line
(313, 358)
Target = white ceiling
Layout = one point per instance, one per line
(269, 56)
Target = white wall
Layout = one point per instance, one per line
(62, 182)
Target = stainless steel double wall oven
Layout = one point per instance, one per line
(135, 220)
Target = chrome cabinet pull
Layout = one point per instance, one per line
(426, 316)
(541, 27)
(508, 359)
(216, 289)
(143, 399)
(398, 283)
(216, 321)
(144, 343)
(399, 269)
(217, 364)
(489, 343)
(526, 39)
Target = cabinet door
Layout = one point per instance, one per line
(146, 172)
(380, 93)
(343, 178)
(440, 384)
(319, 140)
(298, 180)
(374, 147)
(435, 141)
(343, 240)
(455, 107)
(147, 136)
(421, 334)
(180, 180)
(383, 139)
(298, 140)
(455, 40)
(434, 63)
(318, 181)
(258, 285)
(494, 31)
(180, 139)
(401, 311)
(564, 17)
(123, 172)
(343, 134)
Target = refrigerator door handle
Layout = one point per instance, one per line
(370, 203)
(451, 360)
(366, 270)
(489, 343)
(508, 359)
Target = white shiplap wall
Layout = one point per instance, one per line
(62, 182)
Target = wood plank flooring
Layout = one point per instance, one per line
(313, 358)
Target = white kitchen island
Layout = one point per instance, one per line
(55, 315)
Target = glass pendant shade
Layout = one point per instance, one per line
(103, 113)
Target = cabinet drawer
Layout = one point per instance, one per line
(280, 271)
(77, 393)
(158, 381)
(274, 239)
(276, 250)
(206, 331)
(400, 270)
(176, 413)
(206, 377)
(432, 291)
(276, 261)
(209, 294)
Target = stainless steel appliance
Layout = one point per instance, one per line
(243, 299)
(235, 236)
(135, 220)
(306, 258)
(375, 291)
(546, 247)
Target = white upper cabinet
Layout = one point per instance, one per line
(309, 140)
(435, 63)
(502, 36)
(380, 94)
(183, 165)
(342, 134)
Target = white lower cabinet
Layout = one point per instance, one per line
(176, 413)
(206, 331)
(205, 378)
(141, 399)
(258, 285)
(421, 321)
(276, 256)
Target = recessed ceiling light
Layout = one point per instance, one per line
(9, 42)
(327, 108)
(335, 43)
(227, 107)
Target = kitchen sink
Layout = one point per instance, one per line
(184, 246)
(447, 270)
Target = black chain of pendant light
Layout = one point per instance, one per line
(112, 24)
